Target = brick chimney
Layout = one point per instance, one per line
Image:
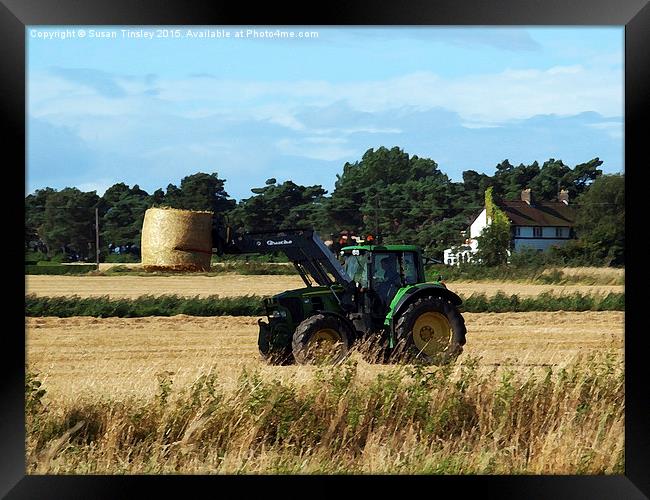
(527, 196)
(564, 196)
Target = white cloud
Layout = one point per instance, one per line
(100, 186)
(241, 128)
(482, 98)
(496, 97)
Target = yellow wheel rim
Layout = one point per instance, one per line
(431, 333)
(326, 335)
(324, 343)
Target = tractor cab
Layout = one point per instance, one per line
(383, 269)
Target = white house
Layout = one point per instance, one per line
(534, 224)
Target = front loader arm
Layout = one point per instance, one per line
(303, 247)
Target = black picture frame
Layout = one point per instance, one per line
(15, 15)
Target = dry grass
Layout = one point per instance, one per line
(232, 285)
(405, 420)
(532, 393)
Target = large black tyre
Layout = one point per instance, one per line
(431, 330)
(320, 338)
(270, 353)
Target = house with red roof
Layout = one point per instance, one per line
(534, 224)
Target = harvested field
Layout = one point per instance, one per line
(525, 290)
(190, 395)
(231, 285)
(119, 357)
(602, 274)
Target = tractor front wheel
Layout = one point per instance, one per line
(320, 339)
(270, 353)
(431, 330)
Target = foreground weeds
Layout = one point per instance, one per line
(407, 419)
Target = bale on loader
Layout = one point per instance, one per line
(176, 240)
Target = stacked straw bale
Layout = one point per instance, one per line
(176, 240)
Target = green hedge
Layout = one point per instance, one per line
(59, 269)
(147, 305)
(547, 301)
(122, 258)
(251, 305)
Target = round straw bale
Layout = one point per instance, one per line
(177, 240)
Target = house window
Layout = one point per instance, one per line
(517, 231)
(562, 232)
(537, 232)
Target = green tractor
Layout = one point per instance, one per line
(375, 294)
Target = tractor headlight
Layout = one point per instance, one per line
(278, 314)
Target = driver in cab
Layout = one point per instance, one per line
(388, 278)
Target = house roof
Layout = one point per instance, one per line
(473, 218)
(542, 213)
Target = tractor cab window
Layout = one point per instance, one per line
(386, 266)
(386, 277)
(410, 268)
(356, 266)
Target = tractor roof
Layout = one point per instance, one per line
(383, 248)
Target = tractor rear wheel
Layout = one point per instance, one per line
(431, 330)
(320, 339)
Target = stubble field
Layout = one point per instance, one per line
(122, 356)
(232, 285)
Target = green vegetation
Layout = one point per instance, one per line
(125, 258)
(494, 240)
(406, 419)
(62, 219)
(45, 268)
(280, 206)
(405, 198)
(601, 222)
(146, 305)
(251, 305)
(547, 301)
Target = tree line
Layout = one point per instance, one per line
(405, 198)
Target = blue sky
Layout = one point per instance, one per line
(150, 111)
